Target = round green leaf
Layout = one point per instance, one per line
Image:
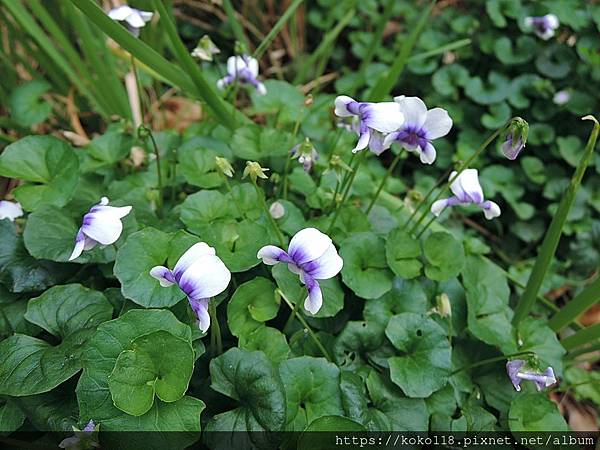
(496, 89)
(402, 252)
(535, 412)
(155, 363)
(204, 208)
(48, 164)
(425, 364)
(445, 256)
(252, 304)
(255, 143)
(142, 251)
(314, 437)
(251, 379)
(312, 387)
(270, 341)
(197, 165)
(365, 267)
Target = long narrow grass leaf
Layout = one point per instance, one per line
(277, 28)
(577, 306)
(586, 336)
(550, 243)
(234, 23)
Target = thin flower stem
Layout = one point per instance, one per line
(341, 185)
(385, 178)
(346, 191)
(233, 197)
(278, 232)
(426, 226)
(423, 201)
(174, 175)
(461, 168)
(215, 329)
(306, 327)
(138, 85)
(290, 320)
(484, 362)
(158, 171)
(285, 176)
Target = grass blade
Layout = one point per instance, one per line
(234, 22)
(388, 80)
(577, 306)
(586, 336)
(550, 243)
(277, 28)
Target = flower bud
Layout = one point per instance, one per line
(205, 49)
(516, 138)
(277, 210)
(224, 166)
(444, 308)
(254, 171)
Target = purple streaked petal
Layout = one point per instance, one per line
(466, 186)
(427, 153)
(271, 255)
(105, 230)
(307, 245)
(384, 117)
(205, 278)
(79, 246)
(225, 81)
(512, 368)
(200, 308)
(195, 252)
(163, 275)
(390, 138)
(345, 106)
(325, 267)
(512, 149)
(314, 301)
(89, 427)
(363, 140)
(376, 143)
(490, 209)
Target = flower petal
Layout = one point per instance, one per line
(232, 65)
(200, 308)
(194, 253)
(307, 245)
(376, 143)
(146, 15)
(385, 117)
(428, 154)
(135, 19)
(341, 106)
(326, 266)
(105, 230)
(363, 140)
(120, 13)
(512, 368)
(414, 110)
(551, 21)
(261, 88)
(438, 206)
(314, 301)
(10, 210)
(490, 209)
(205, 278)
(79, 246)
(389, 139)
(466, 186)
(271, 255)
(163, 275)
(437, 124)
(252, 65)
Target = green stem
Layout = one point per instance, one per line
(284, 182)
(461, 168)
(388, 80)
(274, 225)
(174, 175)
(158, 171)
(489, 361)
(346, 191)
(233, 197)
(427, 225)
(234, 23)
(290, 320)
(277, 28)
(139, 88)
(550, 243)
(307, 327)
(423, 201)
(215, 329)
(385, 178)
(577, 306)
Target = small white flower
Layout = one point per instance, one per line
(200, 274)
(244, 69)
(101, 225)
(311, 255)
(421, 126)
(10, 210)
(467, 191)
(134, 18)
(374, 121)
(277, 210)
(562, 97)
(543, 26)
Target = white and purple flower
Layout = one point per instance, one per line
(101, 225)
(244, 70)
(311, 255)
(375, 120)
(511, 147)
(83, 439)
(10, 210)
(543, 26)
(518, 371)
(306, 154)
(134, 19)
(467, 191)
(421, 126)
(201, 275)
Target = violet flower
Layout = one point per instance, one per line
(133, 19)
(311, 255)
(10, 210)
(200, 274)
(101, 225)
(467, 191)
(543, 26)
(518, 371)
(83, 439)
(421, 126)
(244, 70)
(375, 121)
(306, 154)
(512, 148)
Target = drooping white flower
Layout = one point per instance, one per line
(518, 371)
(512, 148)
(311, 255)
(543, 26)
(134, 19)
(467, 191)
(101, 225)
(375, 120)
(10, 210)
(306, 154)
(205, 49)
(421, 126)
(244, 70)
(200, 274)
